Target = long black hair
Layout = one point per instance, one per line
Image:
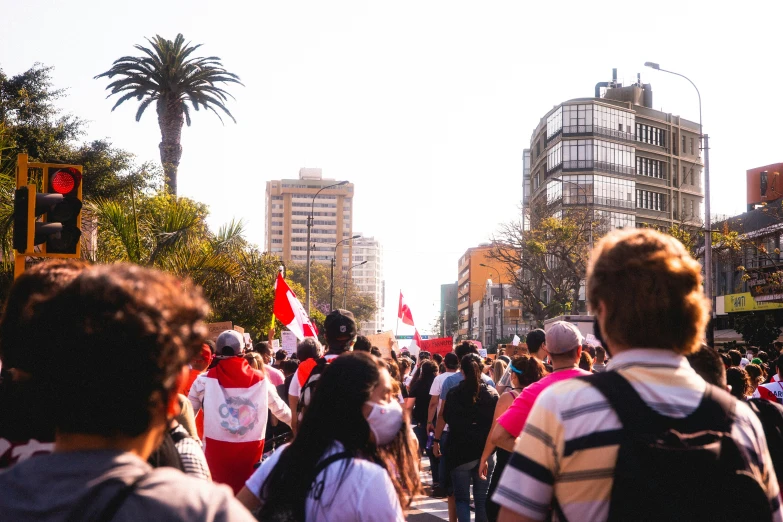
(471, 367)
(335, 414)
(426, 374)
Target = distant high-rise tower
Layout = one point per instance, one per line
(368, 278)
(289, 202)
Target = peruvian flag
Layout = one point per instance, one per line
(415, 347)
(235, 400)
(404, 312)
(290, 312)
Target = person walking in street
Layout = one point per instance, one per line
(236, 400)
(525, 370)
(637, 442)
(353, 458)
(564, 345)
(468, 411)
(116, 342)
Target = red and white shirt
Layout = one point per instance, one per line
(772, 391)
(235, 399)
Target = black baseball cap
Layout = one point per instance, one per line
(340, 326)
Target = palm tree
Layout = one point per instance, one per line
(168, 76)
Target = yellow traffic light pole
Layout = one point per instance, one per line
(23, 167)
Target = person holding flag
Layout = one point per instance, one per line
(341, 332)
(236, 400)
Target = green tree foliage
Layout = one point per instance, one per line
(757, 329)
(170, 77)
(362, 305)
(547, 261)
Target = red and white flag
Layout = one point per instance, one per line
(415, 347)
(290, 311)
(236, 400)
(404, 312)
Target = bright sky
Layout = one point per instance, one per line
(425, 105)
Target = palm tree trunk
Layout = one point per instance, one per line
(171, 118)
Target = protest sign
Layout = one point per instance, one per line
(441, 345)
(384, 341)
(289, 342)
(215, 329)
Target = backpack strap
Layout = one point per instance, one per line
(328, 461)
(715, 411)
(110, 509)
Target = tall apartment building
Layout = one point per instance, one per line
(615, 154)
(369, 280)
(471, 284)
(289, 203)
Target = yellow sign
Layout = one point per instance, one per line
(746, 303)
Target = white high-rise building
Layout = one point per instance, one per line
(368, 278)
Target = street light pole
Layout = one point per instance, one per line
(309, 226)
(501, 295)
(345, 283)
(331, 276)
(705, 144)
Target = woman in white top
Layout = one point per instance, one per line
(353, 458)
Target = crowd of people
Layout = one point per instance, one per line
(115, 406)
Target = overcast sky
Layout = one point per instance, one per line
(426, 106)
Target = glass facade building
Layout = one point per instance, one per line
(616, 154)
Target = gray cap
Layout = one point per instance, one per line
(229, 343)
(562, 337)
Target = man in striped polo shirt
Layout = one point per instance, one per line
(646, 293)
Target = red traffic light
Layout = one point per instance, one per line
(64, 181)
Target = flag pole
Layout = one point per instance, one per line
(397, 328)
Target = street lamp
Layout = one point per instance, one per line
(334, 255)
(592, 208)
(705, 144)
(309, 226)
(501, 295)
(345, 283)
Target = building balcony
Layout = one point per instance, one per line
(601, 166)
(588, 130)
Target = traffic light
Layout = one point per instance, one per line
(59, 207)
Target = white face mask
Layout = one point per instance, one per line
(385, 421)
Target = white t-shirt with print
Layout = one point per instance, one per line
(364, 493)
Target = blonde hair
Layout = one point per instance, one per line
(651, 291)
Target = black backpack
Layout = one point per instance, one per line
(678, 469)
(771, 416)
(306, 394)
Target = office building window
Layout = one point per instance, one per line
(599, 155)
(692, 146)
(650, 134)
(554, 157)
(650, 167)
(649, 200)
(578, 119)
(595, 189)
(554, 123)
(683, 151)
(277, 241)
(685, 175)
(612, 220)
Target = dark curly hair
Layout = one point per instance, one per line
(36, 284)
(117, 338)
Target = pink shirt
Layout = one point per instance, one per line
(276, 377)
(513, 420)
